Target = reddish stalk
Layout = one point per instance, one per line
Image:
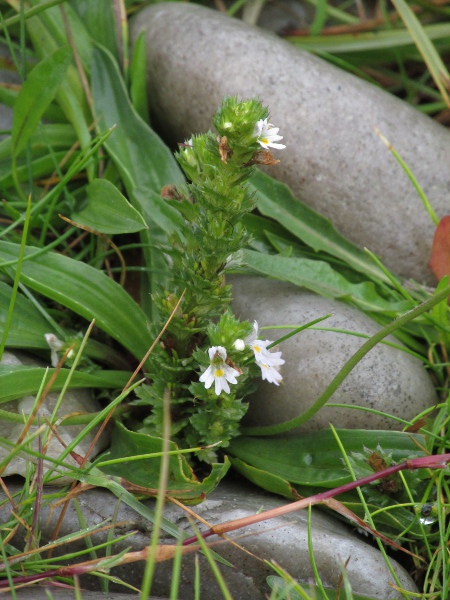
(439, 461)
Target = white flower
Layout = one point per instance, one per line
(55, 346)
(262, 354)
(267, 135)
(269, 362)
(239, 345)
(218, 371)
(270, 373)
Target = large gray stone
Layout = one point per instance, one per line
(333, 161)
(386, 379)
(283, 539)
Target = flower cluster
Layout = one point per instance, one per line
(202, 333)
(220, 373)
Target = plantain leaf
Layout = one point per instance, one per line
(17, 381)
(183, 484)
(108, 211)
(314, 459)
(28, 326)
(86, 291)
(143, 160)
(305, 465)
(138, 88)
(36, 94)
(319, 276)
(98, 19)
(275, 200)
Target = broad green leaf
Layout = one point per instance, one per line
(108, 211)
(86, 291)
(17, 381)
(314, 459)
(275, 200)
(141, 157)
(310, 463)
(397, 518)
(155, 208)
(318, 276)
(36, 94)
(183, 484)
(138, 87)
(28, 326)
(264, 479)
(98, 18)
(139, 153)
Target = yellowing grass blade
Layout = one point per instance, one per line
(429, 53)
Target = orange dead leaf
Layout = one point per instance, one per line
(440, 254)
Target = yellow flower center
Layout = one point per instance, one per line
(218, 373)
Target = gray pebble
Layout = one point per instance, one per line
(283, 539)
(386, 379)
(333, 161)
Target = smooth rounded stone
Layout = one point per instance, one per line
(333, 161)
(283, 539)
(75, 401)
(386, 379)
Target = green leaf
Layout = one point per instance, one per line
(318, 276)
(264, 479)
(17, 381)
(48, 32)
(98, 18)
(108, 211)
(275, 200)
(141, 157)
(309, 463)
(139, 153)
(28, 326)
(183, 484)
(36, 94)
(86, 291)
(314, 459)
(138, 88)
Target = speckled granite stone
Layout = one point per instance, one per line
(333, 160)
(386, 379)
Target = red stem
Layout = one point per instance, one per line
(438, 461)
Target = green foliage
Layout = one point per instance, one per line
(183, 484)
(36, 94)
(107, 210)
(112, 183)
(210, 238)
(308, 463)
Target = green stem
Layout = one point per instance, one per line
(348, 367)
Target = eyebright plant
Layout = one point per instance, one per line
(207, 358)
